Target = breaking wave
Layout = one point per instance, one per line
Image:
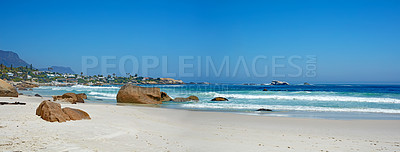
(310, 98)
(282, 107)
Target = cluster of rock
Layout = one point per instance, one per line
(170, 81)
(26, 85)
(161, 81)
(7, 90)
(149, 82)
(71, 98)
(199, 83)
(276, 82)
(135, 94)
(190, 98)
(52, 112)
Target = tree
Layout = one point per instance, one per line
(80, 81)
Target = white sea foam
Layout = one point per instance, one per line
(62, 88)
(282, 107)
(80, 88)
(113, 95)
(44, 87)
(166, 86)
(103, 97)
(95, 87)
(311, 98)
(208, 93)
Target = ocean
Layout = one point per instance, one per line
(321, 101)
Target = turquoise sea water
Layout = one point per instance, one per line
(328, 101)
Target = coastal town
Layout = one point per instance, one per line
(47, 77)
(30, 75)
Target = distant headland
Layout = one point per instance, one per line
(17, 70)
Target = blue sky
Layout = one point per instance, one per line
(354, 41)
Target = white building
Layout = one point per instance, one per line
(69, 76)
(37, 72)
(50, 75)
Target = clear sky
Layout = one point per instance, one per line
(354, 41)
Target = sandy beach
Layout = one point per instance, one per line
(137, 128)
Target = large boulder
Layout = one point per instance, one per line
(71, 98)
(190, 98)
(135, 94)
(55, 98)
(219, 99)
(193, 98)
(81, 95)
(180, 99)
(7, 90)
(51, 111)
(74, 98)
(165, 97)
(76, 114)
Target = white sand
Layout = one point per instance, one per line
(132, 128)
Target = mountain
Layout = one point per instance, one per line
(59, 69)
(9, 58)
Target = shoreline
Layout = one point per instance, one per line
(342, 114)
(142, 128)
